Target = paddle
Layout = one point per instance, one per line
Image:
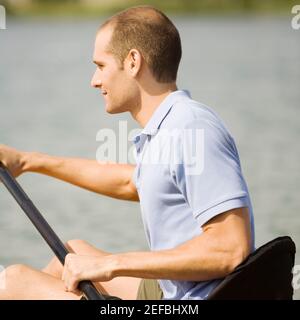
(44, 228)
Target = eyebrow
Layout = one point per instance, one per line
(98, 62)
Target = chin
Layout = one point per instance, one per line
(111, 110)
(114, 110)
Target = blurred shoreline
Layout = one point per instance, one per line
(93, 8)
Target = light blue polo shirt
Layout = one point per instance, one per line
(188, 171)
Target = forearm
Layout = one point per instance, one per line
(224, 243)
(176, 264)
(105, 178)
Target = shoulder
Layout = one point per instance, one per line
(189, 114)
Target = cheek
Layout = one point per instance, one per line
(122, 84)
(113, 80)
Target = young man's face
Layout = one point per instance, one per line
(116, 86)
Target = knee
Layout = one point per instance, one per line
(15, 271)
(10, 278)
(83, 247)
(54, 267)
(73, 244)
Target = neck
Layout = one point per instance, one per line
(150, 101)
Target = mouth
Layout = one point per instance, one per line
(104, 92)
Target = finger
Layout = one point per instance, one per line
(77, 291)
(65, 267)
(65, 278)
(72, 285)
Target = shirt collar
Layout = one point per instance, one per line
(163, 109)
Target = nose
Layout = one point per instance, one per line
(96, 80)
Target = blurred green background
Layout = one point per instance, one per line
(96, 7)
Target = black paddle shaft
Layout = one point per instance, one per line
(43, 228)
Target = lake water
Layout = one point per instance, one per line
(246, 69)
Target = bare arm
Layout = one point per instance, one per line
(113, 180)
(224, 243)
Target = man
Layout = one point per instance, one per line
(197, 216)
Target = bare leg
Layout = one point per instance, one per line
(24, 283)
(124, 287)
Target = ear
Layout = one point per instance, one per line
(134, 62)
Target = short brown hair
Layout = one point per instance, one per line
(152, 33)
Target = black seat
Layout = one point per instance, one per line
(265, 275)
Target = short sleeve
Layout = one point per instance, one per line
(208, 171)
(134, 175)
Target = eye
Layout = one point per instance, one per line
(100, 66)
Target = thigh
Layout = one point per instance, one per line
(25, 283)
(124, 287)
(55, 268)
